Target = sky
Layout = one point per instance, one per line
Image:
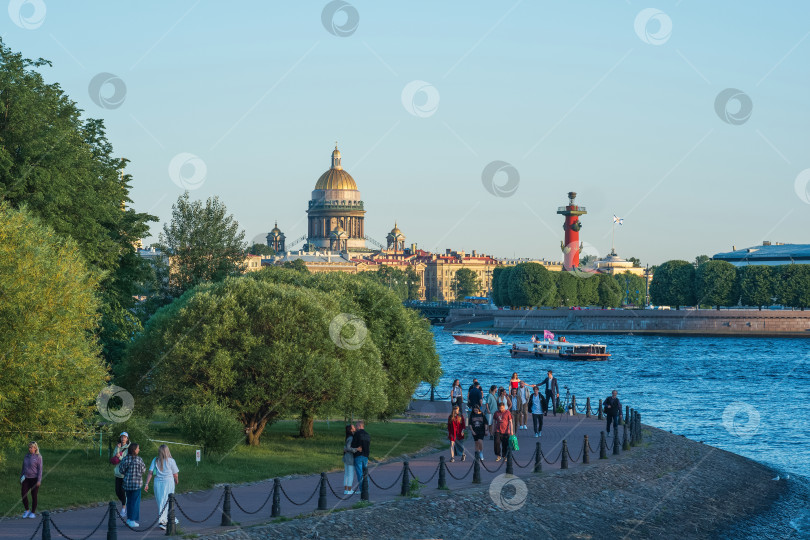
(687, 119)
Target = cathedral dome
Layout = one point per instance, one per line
(336, 177)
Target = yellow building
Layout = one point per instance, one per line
(613, 264)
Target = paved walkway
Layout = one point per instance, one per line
(251, 504)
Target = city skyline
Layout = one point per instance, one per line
(625, 106)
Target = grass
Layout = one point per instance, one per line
(75, 475)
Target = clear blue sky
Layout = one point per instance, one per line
(568, 93)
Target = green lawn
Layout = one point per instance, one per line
(76, 475)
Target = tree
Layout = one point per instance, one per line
(700, 260)
(587, 293)
(261, 349)
(261, 249)
(414, 282)
(500, 285)
(566, 283)
(756, 285)
(587, 260)
(716, 284)
(51, 370)
(673, 284)
(298, 265)
(62, 168)
(608, 291)
(792, 285)
(633, 288)
(465, 283)
(392, 278)
(636, 261)
(530, 284)
(203, 244)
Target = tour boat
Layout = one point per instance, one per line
(562, 350)
(477, 338)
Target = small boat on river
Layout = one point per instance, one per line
(477, 338)
(562, 350)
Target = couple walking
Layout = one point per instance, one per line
(355, 456)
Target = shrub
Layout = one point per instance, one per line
(213, 426)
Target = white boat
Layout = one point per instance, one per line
(563, 350)
(477, 338)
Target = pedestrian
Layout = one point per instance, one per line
(455, 432)
(515, 406)
(456, 395)
(475, 396)
(119, 453)
(348, 461)
(503, 429)
(536, 407)
(165, 470)
(31, 479)
(478, 425)
(514, 381)
(490, 407)
(133, 467)
(552, 392)
(524, 394)
(613, 410)
(361, 441)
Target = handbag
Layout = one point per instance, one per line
(115, 460)
(513, 443)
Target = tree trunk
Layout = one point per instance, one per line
(254, 430)
(306, 429)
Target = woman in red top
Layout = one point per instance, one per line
(455, 432)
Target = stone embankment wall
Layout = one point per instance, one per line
(703, 322)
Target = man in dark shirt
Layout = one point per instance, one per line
(475, 397)
(552, 391)
(360, 443)
(613, 410)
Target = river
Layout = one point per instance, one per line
(750, 396)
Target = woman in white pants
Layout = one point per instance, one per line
(165, 470)
(348, 461)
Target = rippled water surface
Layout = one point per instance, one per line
(750, 396)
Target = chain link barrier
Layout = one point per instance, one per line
(344, 497)
(302, 503)
(432, 476)
(528, 463)
(447, 469)
(496, 469)
(371, 479)
(39, 526)
(100, 523)
(148, 527)
(239, 506)
(206, 518)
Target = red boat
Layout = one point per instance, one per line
(477, 338)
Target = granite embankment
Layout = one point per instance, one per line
(697, 322)
(669, 487)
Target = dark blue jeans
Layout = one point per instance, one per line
(614, 420)
(134, 504)
(359, 463)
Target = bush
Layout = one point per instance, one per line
(212, 426)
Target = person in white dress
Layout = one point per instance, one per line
(165, 471)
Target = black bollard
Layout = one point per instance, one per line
(322, 493)
(432, 392)
(538, 459)
(112, 530)
(564, 455)
(364, 487)
(616, 442)
(630, 417)
(406, 483)
(276, 508)
(600, 409)
(573, 404)
(585, 457)
(476, 471)
(638, 428)
(625, 441)
(226, 508)
(442, 478)
(171, 526)
(602, 446)
(46, 525)
(588, 408)
(510, 463)
(626, 413)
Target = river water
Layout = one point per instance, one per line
(750, 396)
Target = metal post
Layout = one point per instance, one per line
(638, 428)
(226, 508)
(538, 459)
(476, 471)
(602, 446)
(432, 392)
(564, 455)
(588, 408)
(626, 413)
(600, 410)
(510, 464)
(442, 478)
(276, 508)
(406, 474)
(364, 487)
(171, 526)
(112, 531)
(573, 404)
(585, 457)
(322, 493)
(625, 441)
(46, 525)
(616, 442)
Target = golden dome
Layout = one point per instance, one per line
(336, 179)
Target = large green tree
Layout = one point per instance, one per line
(62, 167)
(608, 291)
(716, 284)
(587, 293)
(49, 356)
(566, 282)
(792, 285)
(261, 249)
(393, 278)
(531, 284)
(500, 285)
(756, 285)
(203, 243)
(465, 283)
(633, 288)
(673, 284)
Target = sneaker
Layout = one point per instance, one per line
(32, 515)
(176, 521)
(162, 526)
(463, 457)
(25, 514)
(123, 511)
(135, 525)
(498, 458)
(540, 434)
(452, 460)
(130, 523)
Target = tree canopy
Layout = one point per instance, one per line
(260, 249)
(792, 285)
(608, 291)
(673, 284)
(465, 283)
(531, 284)
(756, 285)
(716, 284)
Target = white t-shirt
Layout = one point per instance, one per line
(169, 469)
(537, 404)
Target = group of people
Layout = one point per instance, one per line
(506, 410)
(355, 456)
